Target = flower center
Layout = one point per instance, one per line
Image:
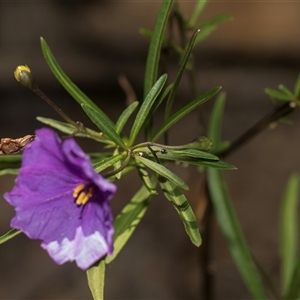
(82, 194)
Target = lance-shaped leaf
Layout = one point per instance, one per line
(9, 172)
(107, 162)
(96, 276)
(128, 219)
(145, 108)
(193, 153)
(9, 235)
(161, 97)
(214, 129)
(286, 91)
(232, 232)
(214, 132)
(209, 27)
(289, 232)
(10, 162)
(167, 43)
(185, 59)
(104, 124)
(147, 181)
(199, 6)
(117, 165)
(294, 288)
(155, 46)
(70, 129)
(297, 87)
(277, 95)
(183, 208)
(64, 80)
(198, 162)
(214, 21)
(125, 116)
(163, 171)
(184, 153)
(221, 165)
(183, 112)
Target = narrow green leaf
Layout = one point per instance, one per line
(166, 43)
(186, 154)
(145, 108)
(199, 6)
(277, 95)
(125, 116)
(177, 80)
(233, 234)
(9, 235)
(117, 165)
(97, 156)
(70, 129)
(297, 87)
(96, 276)
(10, 162)
(207, 28)
(198, 162)
(214, 129)
(9, 172)
(184, 111)
(161, 97)
(61, 126)
(205, 33)
(155, 46)
(107, 162)
(104, 124)
(64, 80)
(144, 175)
(214, 21)
(128, 219)
(194, 153)
(288, 231)
(294, 288)
(202, 143)
(183, 208)
(163, 171)
(221, 165)
(286, 91)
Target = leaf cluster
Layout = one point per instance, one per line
(121, 154)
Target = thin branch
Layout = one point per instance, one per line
(260, 126)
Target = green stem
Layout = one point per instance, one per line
(206, 250)
(162, 146)
(121, 168)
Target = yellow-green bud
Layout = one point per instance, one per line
(24, 76)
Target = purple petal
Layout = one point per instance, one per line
(45, 207)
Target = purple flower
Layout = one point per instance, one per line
(61, 200)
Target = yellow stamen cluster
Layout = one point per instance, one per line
(81, 196)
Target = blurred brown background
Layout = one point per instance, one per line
(95, 42)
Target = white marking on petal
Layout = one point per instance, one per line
(85, 250)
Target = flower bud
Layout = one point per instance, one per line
(24, 76)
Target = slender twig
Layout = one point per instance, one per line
(127, 88)
(54, 106)
(260, 126)
(257, 128)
